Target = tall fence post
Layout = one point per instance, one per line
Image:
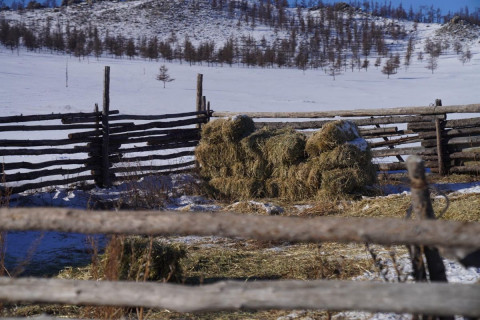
(106, 130)
(199, 106)
(439, 126)
(422, 208)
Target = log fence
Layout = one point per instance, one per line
(438, 299)
(98, 148)
(451, 145)
(102, 146)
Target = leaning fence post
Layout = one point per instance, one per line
(422, 208)
(106, 130)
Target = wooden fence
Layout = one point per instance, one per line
(98, 147)
(440, 299)
(447, 145)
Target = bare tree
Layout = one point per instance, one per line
(163, 75)
(432, 63)
(466, 56)
(389, 67)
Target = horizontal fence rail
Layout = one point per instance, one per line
(448, 145)
(99, 147)
(422, 110)
(455, 299)
(134, 150)
(385, 231)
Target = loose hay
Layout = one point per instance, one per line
(235, 187)
(163, 260)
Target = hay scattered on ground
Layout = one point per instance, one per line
(242, 164)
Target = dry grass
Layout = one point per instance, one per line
(211, 259)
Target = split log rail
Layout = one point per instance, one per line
(448, 146)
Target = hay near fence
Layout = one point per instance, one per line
(283, 163)
(332, 135)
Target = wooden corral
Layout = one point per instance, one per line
(102, 146)
(446, 145)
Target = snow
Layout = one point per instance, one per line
(36, 83)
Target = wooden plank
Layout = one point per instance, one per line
(158, 117)
(403, 151)
(394, 142)
(470, 141)
(49, 183)
(433, 110)
(52, 116)
(22, 152)
(466, 155)
(155, 157)
(41, 165)
(59, 127)
(451, 133)
(143, 168)
(160, 147)
(387, 231)
(393, 166)
(152, 125)
(462, 123)
(41, 143)
(131, 176)
(134, 117)
(148, 133)
(466, 169)
(359, 122)
(378, 131)
(252, 295)
(153, 139)
(32, 175)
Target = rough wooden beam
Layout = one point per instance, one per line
(437, 299)
(469, 108)
(361, 230)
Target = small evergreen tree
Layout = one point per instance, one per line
(163, 75)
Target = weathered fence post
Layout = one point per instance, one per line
(208, 111)
(422, 208)
(439, 126)
(199, 96)
(106, 130)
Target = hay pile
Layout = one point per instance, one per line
(241, 163)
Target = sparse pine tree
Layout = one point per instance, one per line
(163, 75)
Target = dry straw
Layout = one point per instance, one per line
(241, 163)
